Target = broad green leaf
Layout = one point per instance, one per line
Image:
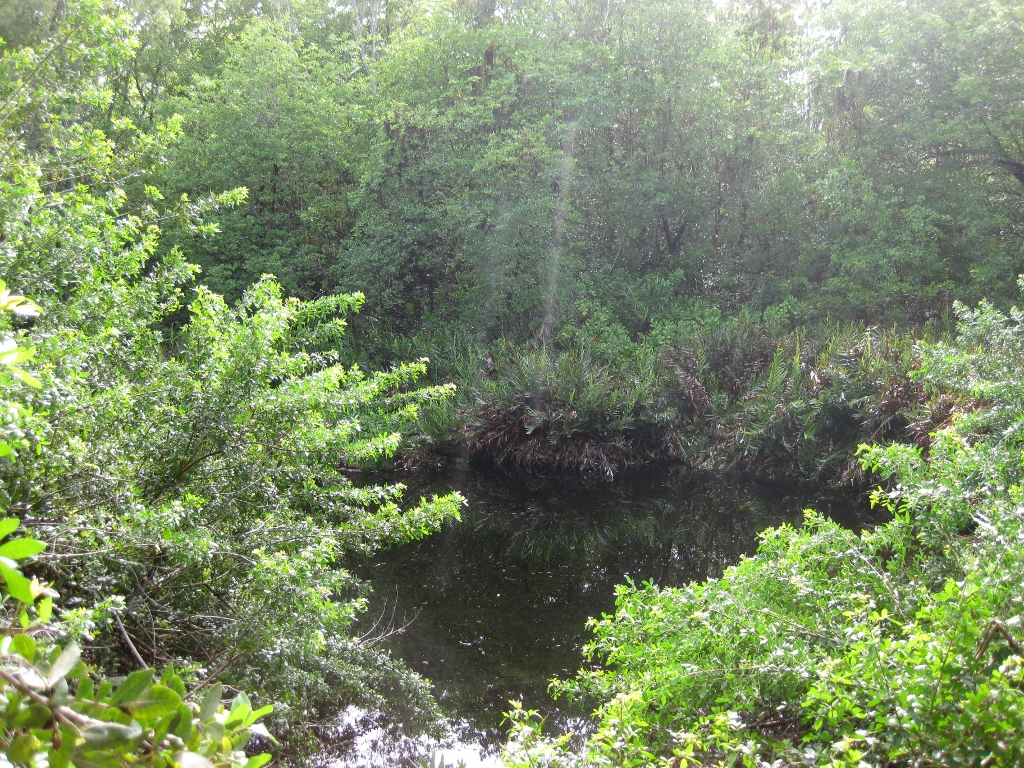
(172, 681)
(182, 727)
(257, 714)
(163, 726)
(18, 549)
(86, 691)
(8, 525)
(236, 718)
(24, 646)
(65, 662)
(27, 378)
(97, 759)
(240, 709)
(19, 587)
(133, 686)
(153, 703)
(14, 355)
(241, 700)
(211, 701)
(23, 747)
(32, 716)
(258, 761)
(61, 758)
(105, 734)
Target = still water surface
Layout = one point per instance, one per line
(496, 605)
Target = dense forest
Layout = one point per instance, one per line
(255, 255)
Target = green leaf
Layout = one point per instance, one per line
(24, 646)
(240, 709)
(210, 702)
(23, 747)
(19, 587)
(257, 714)
(164, 726)
(105, 734)
(61, 758)
(258, 761)
(154, 703)
(18, 549)
(182, 725)
(85, 689)
(27, 378)
(44, 609)
(8, 525)
(32, 716)
(172, 681)
(97, 760)
(14, 354)
(241, 700)
(133, 686)
(65, 662)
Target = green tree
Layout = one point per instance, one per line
(279, 118)
(194, 490)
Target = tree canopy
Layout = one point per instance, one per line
(715, 232)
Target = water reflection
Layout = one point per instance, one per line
(497, 605)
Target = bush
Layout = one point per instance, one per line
(900, 646)
(189, 468)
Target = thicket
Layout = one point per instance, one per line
(743, 394)
(518, 169)
(140, 721)
(531, 176)
(186, 463)
(896, 646)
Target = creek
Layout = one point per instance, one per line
(494, 606)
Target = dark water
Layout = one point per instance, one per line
(496, 605)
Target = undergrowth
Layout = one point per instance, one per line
(900, 646)
(744, 395)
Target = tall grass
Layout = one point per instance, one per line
(736, 395)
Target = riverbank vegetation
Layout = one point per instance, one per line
(723, 234)
(899, 645)
(737, 395)
(185, 462)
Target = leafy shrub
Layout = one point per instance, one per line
(563, 411)
(898, 646)
(139, 721)
(190, 468)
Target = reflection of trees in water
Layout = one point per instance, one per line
(501, 599)
(669, 531)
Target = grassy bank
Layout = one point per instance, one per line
(738, 395)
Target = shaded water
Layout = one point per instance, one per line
(496, 605)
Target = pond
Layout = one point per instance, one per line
(492, 607)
